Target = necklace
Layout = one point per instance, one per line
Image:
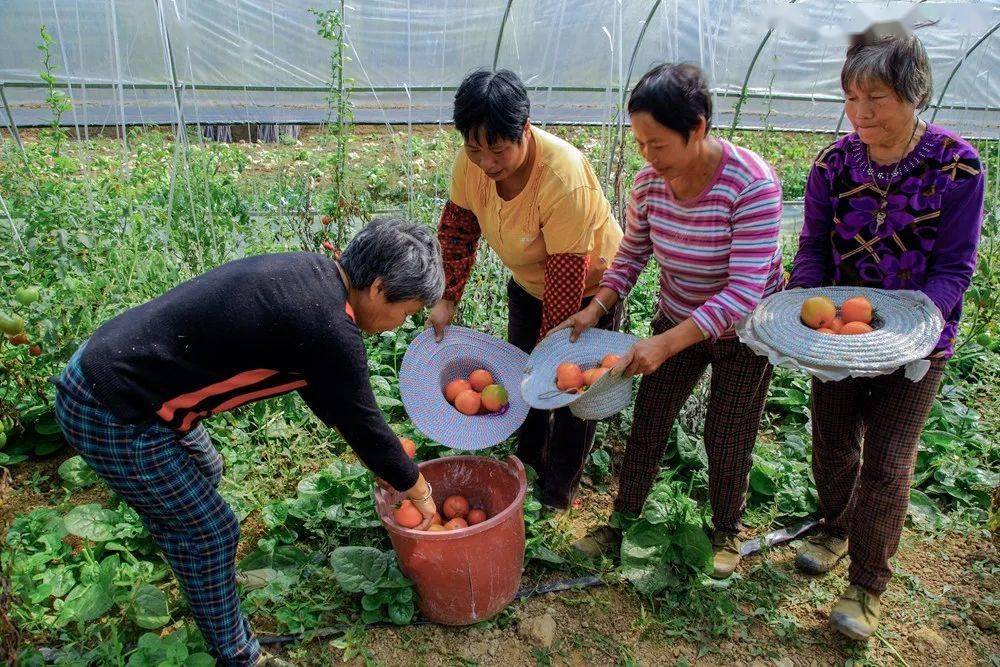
(881, 213)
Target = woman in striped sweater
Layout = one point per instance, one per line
(710, 213)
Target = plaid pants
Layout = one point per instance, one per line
(171, 482)
(739, 385)
(554, 442)
(866, 500)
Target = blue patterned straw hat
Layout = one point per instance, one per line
(609, 395)
(428, 367)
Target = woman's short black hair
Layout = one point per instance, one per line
(494, 103)
(677, 96)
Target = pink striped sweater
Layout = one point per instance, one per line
(718, 252)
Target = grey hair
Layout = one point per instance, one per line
(405, 255)
(898, 61)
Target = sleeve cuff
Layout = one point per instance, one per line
(403, 479)
(709, 328)
(620, 287)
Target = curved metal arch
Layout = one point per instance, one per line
(746, 79)
(617, 146)
(171, 65)
(958, 65)
(628, 74)
(635, 53)
(503, 24)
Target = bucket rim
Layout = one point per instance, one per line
(513, 464)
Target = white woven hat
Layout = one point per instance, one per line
(907, 328)
(610, 394)
(428, 367)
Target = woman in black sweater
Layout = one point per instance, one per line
(131, 398)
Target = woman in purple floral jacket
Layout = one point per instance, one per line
(897, 204)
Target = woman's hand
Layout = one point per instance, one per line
(648, 354)
(419, 494)
(441, 316)
(580, 322)
(644, 358)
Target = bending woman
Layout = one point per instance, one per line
(132, 398)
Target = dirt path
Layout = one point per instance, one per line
(940, 609)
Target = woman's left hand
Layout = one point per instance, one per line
(644, 358)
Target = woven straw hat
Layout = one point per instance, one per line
(608, 395)
(907, 328)
(428, 367)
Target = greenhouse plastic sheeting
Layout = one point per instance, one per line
(235, 61)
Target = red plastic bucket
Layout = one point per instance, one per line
(468, 575)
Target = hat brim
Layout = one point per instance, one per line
(428, 367)
(538, 387)
(907, 328)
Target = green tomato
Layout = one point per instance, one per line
(984, 340)
(3, 439)
(11, 324)
(26, 295)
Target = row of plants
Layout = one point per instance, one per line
(95, 228)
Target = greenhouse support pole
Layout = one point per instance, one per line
(746, 79)
(181, 137)
(173, 68)
(10, 118)
(617, 148)
(631, 60)
(503, 24)
(113, 25)
(13, 227)
(958, 65)
(840, 123)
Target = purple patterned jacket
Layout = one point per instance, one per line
(930, 223)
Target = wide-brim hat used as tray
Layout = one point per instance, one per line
(610, 394)
(428, 366)
(907, 328)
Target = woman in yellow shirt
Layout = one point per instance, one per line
(539, 205)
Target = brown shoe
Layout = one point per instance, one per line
(270, 660)
(856, 613)
(820, 553)
(602, 541)
(725, 554)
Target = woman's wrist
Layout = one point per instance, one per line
(419, 491)
(681, 337)
(603, 302)
(689, 333)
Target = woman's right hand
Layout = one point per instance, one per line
(441, 316)
(580, 322)
(421, 498)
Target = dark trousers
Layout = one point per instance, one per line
(864, 499)
(553, 442)
(740, 380)
(170, 479)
